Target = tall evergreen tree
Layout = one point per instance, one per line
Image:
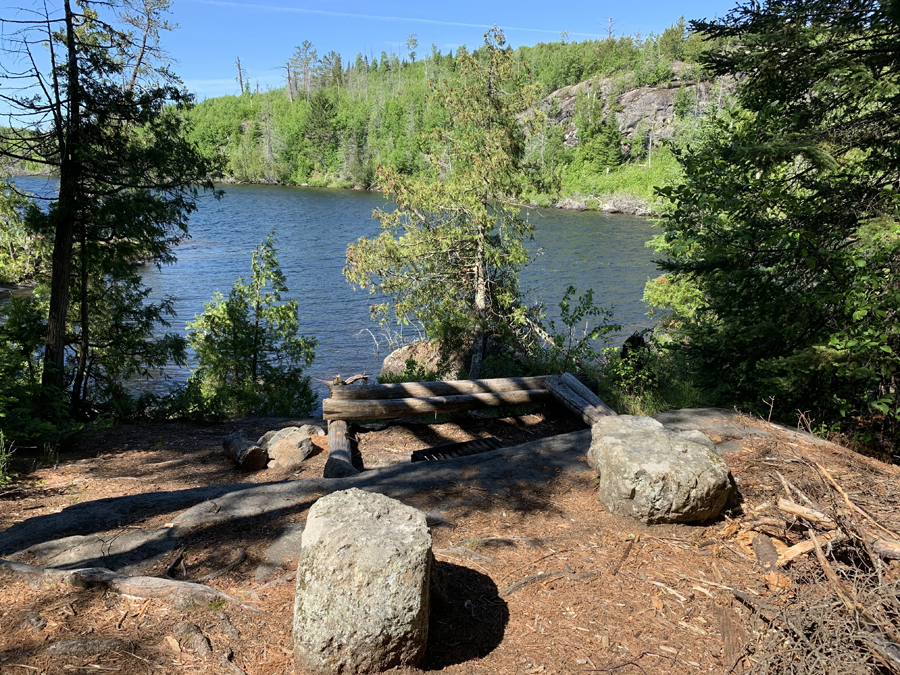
(249, 347)
(786, 225)
(319, 126)
(107, 115)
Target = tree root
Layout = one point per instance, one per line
(178, 594)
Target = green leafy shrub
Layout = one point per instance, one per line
(19, 248)
(647, 380)
(573, 347)
(6, 453)
(249, 348)
(28, 415)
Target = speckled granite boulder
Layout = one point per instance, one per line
(656, 475)
(362, 598)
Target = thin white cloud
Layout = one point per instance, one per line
(374, 17)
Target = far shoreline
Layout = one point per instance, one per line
(607, 204)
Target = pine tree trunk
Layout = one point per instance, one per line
(83, 352)
(67, 210)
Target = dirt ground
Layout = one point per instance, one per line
(549, 584)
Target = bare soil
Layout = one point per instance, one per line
(549, 584)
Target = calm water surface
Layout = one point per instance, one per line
(313, 226)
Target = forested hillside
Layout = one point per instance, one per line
(597, 109)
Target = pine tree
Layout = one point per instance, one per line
(250, 352)
(108, 116)
(785, 230)
(449, 255)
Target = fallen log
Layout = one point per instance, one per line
(244, 452)
(889, 549)
(430, 389)
(349, 409)
(578, 398)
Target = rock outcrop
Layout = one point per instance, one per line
(362, 599)
(655, 106)
(427, 355)
(657, 475)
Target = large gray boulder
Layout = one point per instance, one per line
(362, 598)
(656, 475)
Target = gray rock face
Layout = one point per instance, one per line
(656, 475)
(288, 447)
(362, 599)
(655, 106)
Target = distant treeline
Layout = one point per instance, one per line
(334, 122)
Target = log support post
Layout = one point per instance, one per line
(339, 462)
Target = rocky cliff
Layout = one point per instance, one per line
(655, 106)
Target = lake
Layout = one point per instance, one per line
(314, 226)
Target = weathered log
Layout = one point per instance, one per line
(817, 518)
(889, 549)
(430, 389)
(805, 547)
(339, 462)
(578, 398)
(340, 409)
(580, 387)
(244, 452)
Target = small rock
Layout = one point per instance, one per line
(362, 600)
(656, 475)
(263, 441)
(228, 629)
(436, 518)
(312, 430)
(193, 638)
(264, 573)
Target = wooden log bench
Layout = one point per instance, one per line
(408, 399)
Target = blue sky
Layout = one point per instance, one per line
(265, 33)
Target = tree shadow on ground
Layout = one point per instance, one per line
(468, 617)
